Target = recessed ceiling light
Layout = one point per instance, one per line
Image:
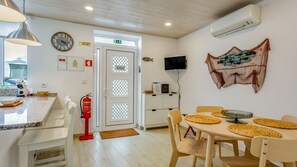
(168, 24)
(89, 8)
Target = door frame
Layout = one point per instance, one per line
(99, 105)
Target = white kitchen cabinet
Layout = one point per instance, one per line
(153, 101)
(156, 108)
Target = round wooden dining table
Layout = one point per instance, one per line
(221, 129)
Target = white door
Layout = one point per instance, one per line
(119, 88)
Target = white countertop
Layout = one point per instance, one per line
(31, 113)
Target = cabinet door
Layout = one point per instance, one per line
(153, 117)
(165, 115)
(153, 101)
(170, 100)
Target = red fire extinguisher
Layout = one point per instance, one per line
(86, 108)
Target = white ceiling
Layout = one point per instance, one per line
(143, 16)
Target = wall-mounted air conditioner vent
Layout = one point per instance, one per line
(243, 18)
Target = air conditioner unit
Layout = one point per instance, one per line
(243, 18)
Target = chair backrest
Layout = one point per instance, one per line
(174, 119)
(274, 149)
(289, 118)
(66, 101)
(66, 109)
(69, 123)
(209, 108)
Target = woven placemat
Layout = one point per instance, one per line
(252, 131)
(275, 123)
(218, 114)
(202, 119)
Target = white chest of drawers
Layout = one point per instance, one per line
(156, 108)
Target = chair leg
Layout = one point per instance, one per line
(220, 149)
(23, 156)
(198, 135)
(66, 154)
(235, 148)
(193, 131)
(190, 128)
(187, 132)
(173, 160)
(194, 161)
(69, 150)
(31, 158)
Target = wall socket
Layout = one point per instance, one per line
(44, 85)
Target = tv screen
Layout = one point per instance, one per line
(175, 63)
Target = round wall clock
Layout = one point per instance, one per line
(62, 41)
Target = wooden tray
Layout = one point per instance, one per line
(252, 131)
(218, 114)
(202, 119)
(12, 105)
(275, 123)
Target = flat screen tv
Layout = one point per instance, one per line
(175, 63)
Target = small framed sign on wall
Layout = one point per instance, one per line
(62, 63)
(70, 63)
(75, 63)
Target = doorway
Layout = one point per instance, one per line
(116, 83)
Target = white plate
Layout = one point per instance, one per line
(8, 99)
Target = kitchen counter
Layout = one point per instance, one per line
(31, 113)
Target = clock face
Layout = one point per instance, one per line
(62, 41)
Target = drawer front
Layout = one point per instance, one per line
(170, 100)
(153, 117)
(153, 101)
(165, 115)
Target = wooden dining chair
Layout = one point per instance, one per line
(45, 139)
(264, 149)
(218, 139)
(183, 147)
(290, 118)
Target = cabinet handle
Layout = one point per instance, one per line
(170, 108)
(154, 95)
(154, 110)
(170, 94)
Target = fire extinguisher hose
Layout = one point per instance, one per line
(81, 109)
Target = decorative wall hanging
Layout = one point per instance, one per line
(148, 59)
(240, 66)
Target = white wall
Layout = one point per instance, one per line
(278, 94)
(42, 61)
(155, 71)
